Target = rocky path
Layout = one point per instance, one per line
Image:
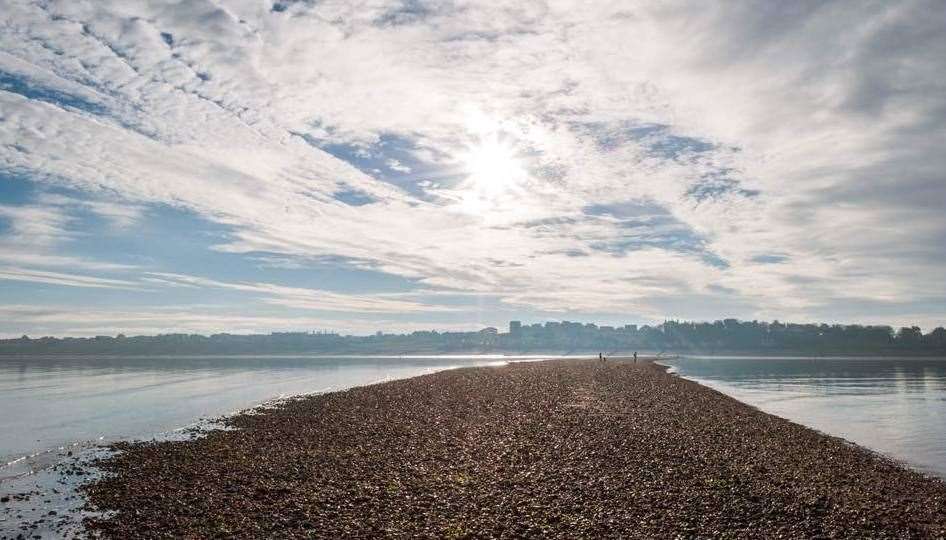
(559, 448)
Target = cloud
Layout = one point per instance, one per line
(19, 255)
(35, 233)
(119, 215)
(150, 320)
(35, 224)
(397, 166)
(746, 132)
(60, 278)
(304, 298)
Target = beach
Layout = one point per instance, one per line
(561, 448)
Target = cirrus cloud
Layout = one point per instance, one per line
(672, 151)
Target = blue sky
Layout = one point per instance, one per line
(251, 166)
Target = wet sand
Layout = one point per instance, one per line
(560, 448)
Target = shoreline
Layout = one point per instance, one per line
(440, 447)
(36, 459)
(499, 354)
(50, 479)
(916, 468)
(858, 430)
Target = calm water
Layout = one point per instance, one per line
(896, 406)
(49, 402)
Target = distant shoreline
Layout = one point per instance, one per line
(497, 353)
(721, 337)
(580, 447)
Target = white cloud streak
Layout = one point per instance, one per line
(305, 298)
(60, 278)
(61, 320)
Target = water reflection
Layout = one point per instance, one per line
(893, 405)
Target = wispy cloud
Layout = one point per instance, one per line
(148, 320)
(34, 233)
(304, 298)
(59, 278)
(121, 215)
(34, 225)
(737, 133)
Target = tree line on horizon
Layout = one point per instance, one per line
(718, 337)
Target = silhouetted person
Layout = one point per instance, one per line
(635, 357)
(600, 357)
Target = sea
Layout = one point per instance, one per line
(49, 404)
(894, 406)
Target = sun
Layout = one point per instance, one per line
(493, 165)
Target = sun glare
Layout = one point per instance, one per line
(493, 166)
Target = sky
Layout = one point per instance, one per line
(254, 166)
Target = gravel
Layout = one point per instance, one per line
(548, 449)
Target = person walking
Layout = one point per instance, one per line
(635, 357)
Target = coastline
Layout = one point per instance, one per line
(890, 406)
(19, 459)
(466, 353)
(42, 486)
(552, 448)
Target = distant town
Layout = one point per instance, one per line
(729, 336)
